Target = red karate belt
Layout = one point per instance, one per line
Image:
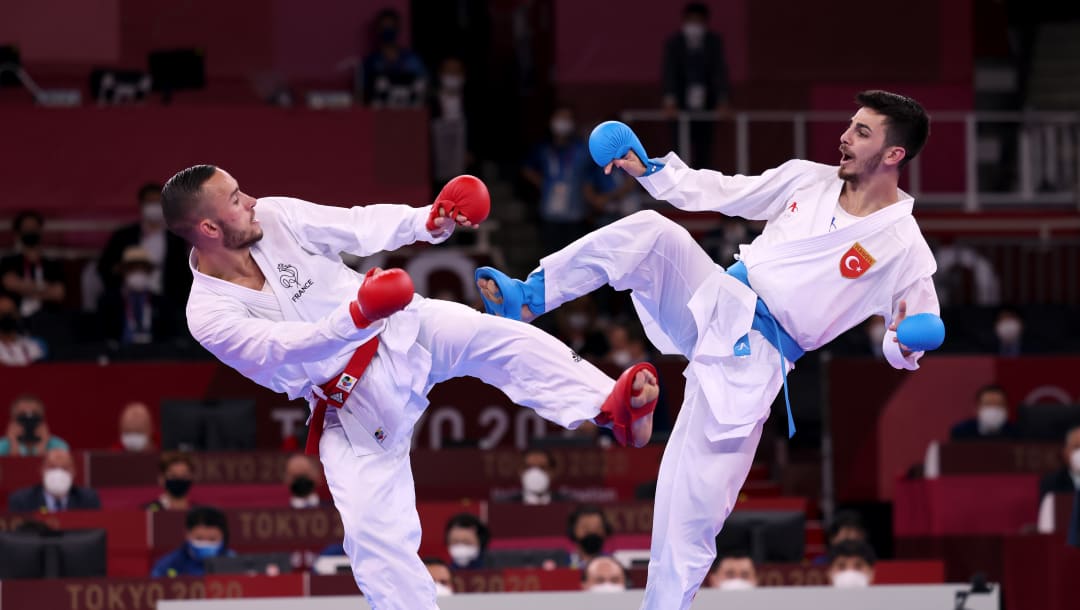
(337, 391)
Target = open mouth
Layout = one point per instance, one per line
(845, 157)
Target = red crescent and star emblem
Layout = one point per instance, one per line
(855, 262)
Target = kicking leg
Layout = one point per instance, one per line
(530, 366)
(646, 253)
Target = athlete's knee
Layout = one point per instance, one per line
(669, 235)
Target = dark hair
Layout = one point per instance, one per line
(471, 522)
(581, 511)
(853, 548)
(210, 517)
(990, 387)
(736, 553)
(23, 216)
(844, 519)
(180, 197)
(546, 452)
(174, 457)
(150, 188)
(907, 123)
(435, 561)
(696, 8)
(385, 13)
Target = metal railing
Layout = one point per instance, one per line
(1040, 149)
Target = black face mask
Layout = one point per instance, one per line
(29, 423)
(177, 488)
(8, 323)
(591, 544)
(30, 239)
(301, 487)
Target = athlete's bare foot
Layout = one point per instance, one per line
(646, 389)
(491, 292)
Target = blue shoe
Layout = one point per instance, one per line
(515, 293)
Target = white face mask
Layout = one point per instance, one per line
(153, 212)
(694, 32)
(311, 501)
(57, 482)
(850, 579)
(134, 441)
(607, 587)
(1074, 461)
(621, 358)
(442, 590)
(991, 418)
(1008, 330)
(736, 584)
(137, 281)
(562, 127)
(577, 321)
(535, 481)
(463, 554)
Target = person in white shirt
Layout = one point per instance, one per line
(839, 245)
(272, 298)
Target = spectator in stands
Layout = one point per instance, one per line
(733, 571)
(845, 525)
(576, 323)
(57, 491)
(875, 335)
(392, 76)
(1009, 332)
(991, 421)
(466, 538)
(440, 573)
(1065, 480)
(133, 314)
(169, 254)
(627, 345)
(16, 347)
(603, 575)
(36, 282)
(568, 179)
(27, 431)
(136, 429)
(588, 527)
(695, 78)
(851, 564)
(207, 536)
(175, 477)
(303, 478)
(452, 124)
(537, 466)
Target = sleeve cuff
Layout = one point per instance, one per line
(341, 325)
(422, 233)
(891, 350)
(666, 178)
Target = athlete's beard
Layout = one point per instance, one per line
(236, 240)
(867, 168)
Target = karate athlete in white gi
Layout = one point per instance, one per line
(840, 245)
(272, 299)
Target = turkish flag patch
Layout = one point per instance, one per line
(855, 262)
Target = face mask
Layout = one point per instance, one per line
(535, 481)
(607, 587)
(30, 239)
(301, 487)
(442, 590)
(177, 488)
(577, 321)
(1008, 331)
(736, 584)
(1074, 461)
(388, 35)
(621, 358)
(203, 549)
(850, 579)
(137, 281)
(134, 441)
(562, 127)
(153, 212)
(991, 418)
(464, 554)
(452, 82)
(57, 482)
(301, 503)
(29, 423)
(591, 544)
(694, 32)
(8, 323)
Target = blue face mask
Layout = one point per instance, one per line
(202, 550)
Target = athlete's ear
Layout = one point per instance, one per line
(208, 228)
(894, 155)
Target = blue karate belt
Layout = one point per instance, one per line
(766, 324)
